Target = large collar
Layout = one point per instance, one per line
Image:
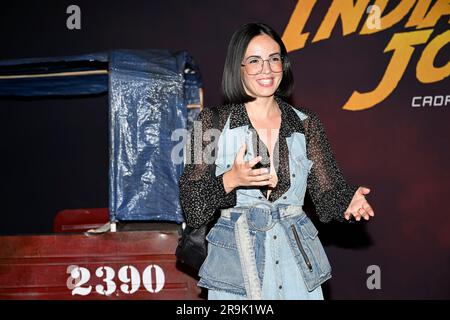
(290, 121)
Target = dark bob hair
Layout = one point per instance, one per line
(232, 86)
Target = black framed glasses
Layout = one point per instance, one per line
(254, 65)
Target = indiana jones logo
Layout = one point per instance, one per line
(423, 16)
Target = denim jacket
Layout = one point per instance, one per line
(222, 269)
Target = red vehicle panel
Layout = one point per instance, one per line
(121, 265)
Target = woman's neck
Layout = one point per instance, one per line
(262, 108)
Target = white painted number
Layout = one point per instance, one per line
(110, 285)
(78, 277)
(148, 278)
(134, 278)
(153, 279)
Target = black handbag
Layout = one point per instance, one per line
(192, 245)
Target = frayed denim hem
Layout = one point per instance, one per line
(220, 286)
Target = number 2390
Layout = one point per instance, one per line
(153, 281)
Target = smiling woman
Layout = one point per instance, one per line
(261, 79)
(264, 246)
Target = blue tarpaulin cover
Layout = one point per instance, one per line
(148, 101)
(149, 91)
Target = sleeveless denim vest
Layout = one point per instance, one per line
(235, 261)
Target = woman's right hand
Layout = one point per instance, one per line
(242, 174)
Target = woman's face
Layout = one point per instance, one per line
(265, 83)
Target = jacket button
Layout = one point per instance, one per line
(284, 197)
(275, 237)
(293, 175)
(280, 287)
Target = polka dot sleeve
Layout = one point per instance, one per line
(330, 193)
(201, 193)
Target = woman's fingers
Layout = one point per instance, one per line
(273, 181)
(240, 158)
(240, 155)
(369, 210)
(364, 214)
(262, 177)
(357, 215)
(257, 172)
(254, 161)
(364, 211)
(364, 190)
(259, 183)
(367, 214)
(360, 212)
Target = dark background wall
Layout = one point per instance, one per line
(55, 152)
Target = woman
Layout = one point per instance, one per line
(268, 154)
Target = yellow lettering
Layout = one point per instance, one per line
(426, 72)
(391, 18)
(403, 46)
(349, 14)
(418, 13)
(441, 8)
(293, 36)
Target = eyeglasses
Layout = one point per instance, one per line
(255, 65)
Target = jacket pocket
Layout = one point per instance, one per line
(309, 253)
(222, 267)
(312, 245)
(300, 247)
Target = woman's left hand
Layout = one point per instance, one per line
(359, 207)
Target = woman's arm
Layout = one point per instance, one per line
(200, 192)
(326, 184)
